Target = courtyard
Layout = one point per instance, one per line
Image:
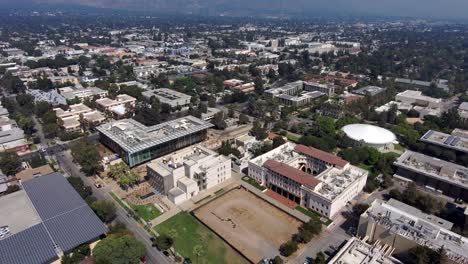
(250, 224)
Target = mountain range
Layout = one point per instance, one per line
(403, 8)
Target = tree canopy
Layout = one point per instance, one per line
(118, 250)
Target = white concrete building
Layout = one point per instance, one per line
(71, 93)
(425, 105)
(404, 227)
(358, 251)
(168, 96)
(70, 120)
(186, 172)
(309, 177)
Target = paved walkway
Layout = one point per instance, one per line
(166, 215)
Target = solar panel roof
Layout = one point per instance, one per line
(32, 245)
(66, 221)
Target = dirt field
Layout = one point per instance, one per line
(248, 223)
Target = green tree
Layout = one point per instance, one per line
(123, 174)
(278, 260)
(9, 162)
(320, 258)
(258, 131)
(258, 82)
(164, 242)
(105, 210)
(118, 250)
(77, 255)
(278, 141)
(87, 155)
(243, 119)
(211, 101)
(288, 248)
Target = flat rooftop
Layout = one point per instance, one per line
(422, 228)
(371, 90)
(17, 212)
(432, 167)
(46, 218)
(133, 136)
(358, 251)
(11, 135)
(336, 181)
(446, 140)
(285, 88)
(165, 94)
(189, 155)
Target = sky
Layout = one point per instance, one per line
(411, 8)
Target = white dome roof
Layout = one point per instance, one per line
(369, 134)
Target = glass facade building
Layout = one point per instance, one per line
(136, 143)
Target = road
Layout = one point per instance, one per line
(153, 255)
(329, 241)
(65, 161)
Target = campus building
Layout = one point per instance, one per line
(70, 120)
(358, 251)
(168, 96)
(295, 94)
(421, 85)
(71, 92)
(453, 142)
(326, 88)
(45, 220)
(184, 173)
(404, 227)
(371, 91)
(136, 143)
(425, 105)
(308, 176)
(434, 174)
(118, 106)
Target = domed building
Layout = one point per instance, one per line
(369, 135)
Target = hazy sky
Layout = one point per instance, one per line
(412, 8)
(420, 8)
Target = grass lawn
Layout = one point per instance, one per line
(253, 183)
(365, 166)
(399, 147)
(114, 196)
(312, 214)
(189, 232)
(293, 137)
(147, 211)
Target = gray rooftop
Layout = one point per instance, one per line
(63, 221)
(11, 135)
(446, 140)
(369, 90)
(432, 167)
(133, 136)
(424, 229)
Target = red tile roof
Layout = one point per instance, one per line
(321, 155)
(291, 173)
(281, 199)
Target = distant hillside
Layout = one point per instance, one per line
(202, 7)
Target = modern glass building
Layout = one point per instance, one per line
(136, 143)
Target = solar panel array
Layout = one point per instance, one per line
(32, 245)
(67, 222)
